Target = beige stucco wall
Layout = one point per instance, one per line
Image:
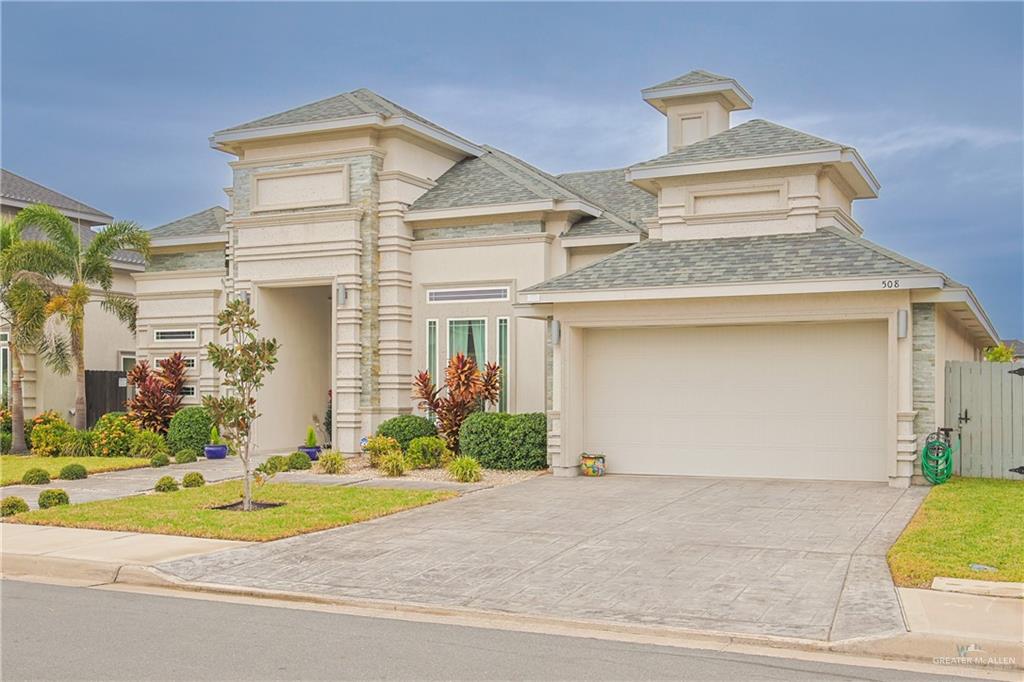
(585, 255)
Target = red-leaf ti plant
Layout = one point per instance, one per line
(466, 390)
(157, 394)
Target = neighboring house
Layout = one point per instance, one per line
(713, 311)
(1017, 346)
(109, 345)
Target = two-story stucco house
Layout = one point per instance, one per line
(713, 311)
(109, 344)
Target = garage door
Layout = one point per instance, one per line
(779, 401)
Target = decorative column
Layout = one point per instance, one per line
(395, 312)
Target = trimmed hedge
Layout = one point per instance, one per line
(427, 452)
(166, 484)
(193, 479)
(35, 476)
(73, 472)
(298, 461)
(13, 505)
(405, 428)
(505, 441)
(160, 459)
(189, 429)
(53, 497)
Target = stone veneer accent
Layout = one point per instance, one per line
(366, 195)
(924, 373)
(489, 230)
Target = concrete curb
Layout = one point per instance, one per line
(906, 646)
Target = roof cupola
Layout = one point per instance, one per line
(697, 105)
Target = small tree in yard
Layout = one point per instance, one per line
(157, 394)
(244, 363)
(1000, 353)
(466, 390)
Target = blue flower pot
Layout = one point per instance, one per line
(313, 452)
(215, 451)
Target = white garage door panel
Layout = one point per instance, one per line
(779, 401)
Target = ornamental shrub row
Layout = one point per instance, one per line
(505, 441)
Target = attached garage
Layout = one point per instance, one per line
(803, 401)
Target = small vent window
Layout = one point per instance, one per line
(467, 295)
(188, 391)
(175, 335)
(190, 362)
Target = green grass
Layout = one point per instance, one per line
(13, 467)
(188, 511)
(964, 521)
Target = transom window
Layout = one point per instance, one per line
(174, 335)
(187, 391)
(190, 361)
(467, 295)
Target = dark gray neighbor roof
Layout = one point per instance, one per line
(192, 260)
(17, 188)
(346, 105)
(497, 177)
(828, 253)
(747, 140)
(1015, 345)
(206, 222)
(695, 77)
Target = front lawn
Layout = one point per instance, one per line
(188, 511)
(13, 467)
(965, 521)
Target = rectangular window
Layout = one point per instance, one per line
(190, 361)
(127, 360)
(432, 350)
(467, 295)
(503, 363)
(468, 337)
(174, 335)
(188, 391)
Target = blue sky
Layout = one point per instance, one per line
(113, 103)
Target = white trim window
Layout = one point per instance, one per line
(126, 360)
(173, 335)
(468, 335)
(503, 362)
(189, 360)
(468, 295)
(433, 351)
(187, 391)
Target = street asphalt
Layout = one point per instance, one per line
(72, 633)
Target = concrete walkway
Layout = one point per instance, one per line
(782, 558)
(114, 484)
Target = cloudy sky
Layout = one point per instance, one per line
(113, 103)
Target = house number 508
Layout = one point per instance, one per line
(890, 284)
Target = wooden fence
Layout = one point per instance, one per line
(992, 441)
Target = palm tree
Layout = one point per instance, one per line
(74, 268)
(23, 312)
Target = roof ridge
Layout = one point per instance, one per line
(380, 99)
(351, 97)
(792, 130)
(502, 166)
(881, 250)
(527, 168)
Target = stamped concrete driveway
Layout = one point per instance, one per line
(788, 558)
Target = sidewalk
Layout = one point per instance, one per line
(116, 484)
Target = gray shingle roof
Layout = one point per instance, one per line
(206, 222)
(192, 260)
(610, 190)
(828, 253)
(346, 105)
(747, 140)
(695, 77)
(17, 188)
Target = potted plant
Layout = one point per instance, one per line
(310, 447)
(217, 449)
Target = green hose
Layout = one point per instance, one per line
(937, 459)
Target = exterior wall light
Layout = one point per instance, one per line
(901, 324)
(342, 294)
(555, 330)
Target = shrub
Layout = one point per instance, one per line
(149, 444)
(185, 456)
(42, 418)
(333, 463)
(465, 469)
(427, 452)
(79, 444)
(35, 476)
(193, 479)
(379, 446)
(482, 436)
(506, 441)
(406, 428)
(5, 442)
(159, 460)
(466, 389)
(275, 465)
(166, 484)
(392, 464)
(157, 393)
(50, 438)
(298, 461)
(13, 505)
(189, 429)
(113, 435)
(310, 437)
(53, 497)
(73, 472)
